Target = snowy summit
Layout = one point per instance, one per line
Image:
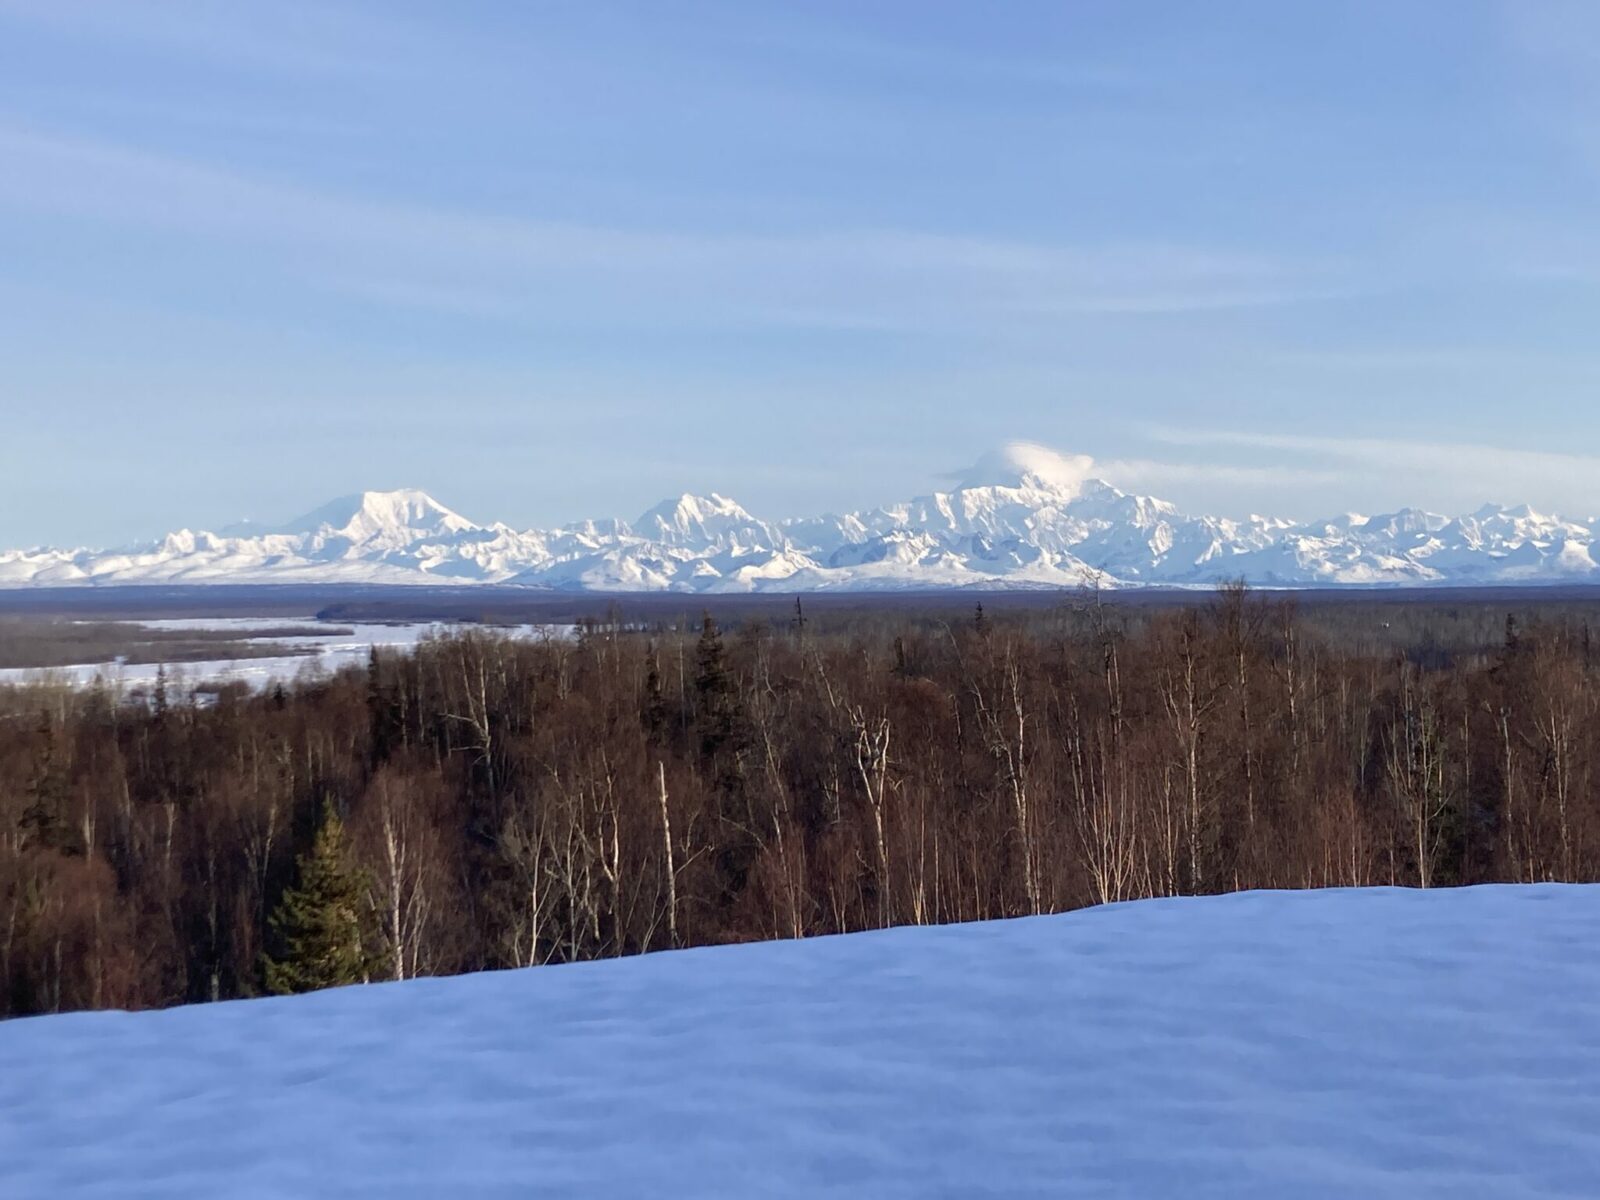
(1022, 516)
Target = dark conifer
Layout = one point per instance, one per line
(655, 701)
(383, 719)
(160, 698)
(43, 820)
(318, 924)
(713, 691)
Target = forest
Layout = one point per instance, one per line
(486, 802)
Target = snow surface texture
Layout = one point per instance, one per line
(1022, 517)
(1321, 1044)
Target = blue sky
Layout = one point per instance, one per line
(552, 260)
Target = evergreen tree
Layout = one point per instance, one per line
(44, 819)
(318, 923)
(713, 689)
(719, 724)
(160, 699)
(383, 717)
(655, 701)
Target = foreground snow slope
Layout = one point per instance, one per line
(1351, 1044)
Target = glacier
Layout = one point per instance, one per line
(1018, 520)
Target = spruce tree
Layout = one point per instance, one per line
(318, 923)
(655, 700)
(713, 688)
(383, 715)
(44, 821)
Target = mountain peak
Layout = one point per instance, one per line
(363, 515)
(1022, 516)
(696, 507)
(705, 522)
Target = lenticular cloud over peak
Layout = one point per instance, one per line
(1018, 463)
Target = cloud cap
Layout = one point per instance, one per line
(1025, 464)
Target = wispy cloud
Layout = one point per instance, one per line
(1149, 473)
(289, 35)
(392, 252)
(1017, 458)
(779, 29)
(1459, 473)
(1555, 63)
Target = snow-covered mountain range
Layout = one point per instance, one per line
(1016, 522)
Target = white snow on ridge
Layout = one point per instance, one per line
(1024, 517)
(1380, 1044)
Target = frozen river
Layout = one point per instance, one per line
(342, 645)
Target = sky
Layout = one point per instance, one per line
(556, 260)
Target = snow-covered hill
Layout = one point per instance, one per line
(1019, 519)
(1381, 1044)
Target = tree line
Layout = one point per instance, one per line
(487, 802)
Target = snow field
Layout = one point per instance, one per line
(1375, 1043)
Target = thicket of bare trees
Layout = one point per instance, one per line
(514, 803)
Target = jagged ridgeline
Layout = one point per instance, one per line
(1023, 517)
